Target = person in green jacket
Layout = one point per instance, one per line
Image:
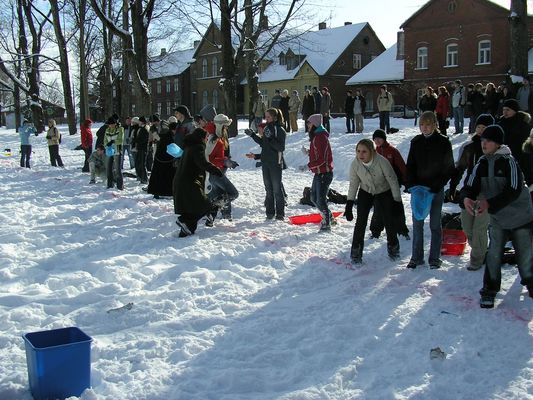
(113, 140)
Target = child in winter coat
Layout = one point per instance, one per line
(113, 139)
(97, 163)
(25, 132)
(86, 142)
(271, 138)
(53, 138)
(429, 164)
(321, 164)
(373, 180)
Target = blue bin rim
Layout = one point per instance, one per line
(86, 338)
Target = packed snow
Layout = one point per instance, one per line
(249, 309)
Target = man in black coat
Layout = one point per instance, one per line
(348, 111)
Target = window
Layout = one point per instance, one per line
(452, 55)
(205, 98)
(422, 58)
(357, 61)
(169, 108)
(484, 52)
(159, 108)
(114, 91)
(215, 98)
(132, 109)
(215, 67)
(167, 86)
(204, 68)
(176, 85)
(158, 87)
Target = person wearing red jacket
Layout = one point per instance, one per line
(443, 109)
(392, 154)
(86, 142)
(321, 164)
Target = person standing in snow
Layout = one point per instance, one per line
(53, 137)
(359, 108)
(113, 139)
(443, 109)
(373, 180)
(385, 102)
(284, 108)
(86, 142)
(126, 147)
(162, 176)
(141, 148)
(271, 138)
(318, 99)
(496, 186)
(392, 154)
(321, 164)
(430, 164)
(97, 162)
(190, 200)
(258, 110)
(348, 112)
(185, 123)
(308, 106)
(294, 108)
(326, 104)
(25, 131)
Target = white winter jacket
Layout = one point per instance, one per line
(376, 178)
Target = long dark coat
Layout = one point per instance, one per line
(189, 179)
(163, 169)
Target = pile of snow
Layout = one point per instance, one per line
(249, 309)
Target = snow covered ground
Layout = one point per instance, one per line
(249, 309)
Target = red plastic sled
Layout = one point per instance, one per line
(310, 218)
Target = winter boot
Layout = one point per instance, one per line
(356, 254)
(394, 252)
(486, 301)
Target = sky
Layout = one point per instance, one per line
(385, 24)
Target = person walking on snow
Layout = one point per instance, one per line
(25, 131)
(53, 137)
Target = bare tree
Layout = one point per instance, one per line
(519, 37)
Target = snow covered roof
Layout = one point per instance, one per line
(384, 68)
(322, 48)
(170, 64)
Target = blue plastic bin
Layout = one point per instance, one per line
(59, 363)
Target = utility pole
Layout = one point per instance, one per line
(519, 37)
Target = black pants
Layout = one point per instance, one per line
(384, 203)
(325, 122)
(114, 173)
(350, 123)
(191, 220)
(87, 152)
(55, 158)
(274, 199)
(398, 215)
(140, 165)
(25, 154)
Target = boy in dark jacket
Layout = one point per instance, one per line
(496, 186)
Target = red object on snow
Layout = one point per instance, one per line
(310, 218)
(453, 242)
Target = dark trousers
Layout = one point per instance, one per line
(350, 123)
(325, 122)
(140, 165)
(274, 199)
(87, 152)
(319, 193)
(149, 159)
(25, 154)
(398, 215)
(384, 121)
(191, 220)
(55, 158)
(384, 203)
(221, 186)
(443, 124)
(114, 173)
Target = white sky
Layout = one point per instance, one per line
(385, 16)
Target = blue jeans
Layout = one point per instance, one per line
(459, 119)
(319, 194)
(521, 238)
(222, 186)
(436, 232)
(25, 154)
(274, 199)
(127, 149)
(384, 121)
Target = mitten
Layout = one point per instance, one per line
(348, 213)
(249, 132)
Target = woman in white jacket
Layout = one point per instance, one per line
(373, 180)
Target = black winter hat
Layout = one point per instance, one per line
(111, 120)
(379, 133)
(485, 119)
(493, 133)
(512, 104)
(142, 119)
(183, 110)
(155, 118)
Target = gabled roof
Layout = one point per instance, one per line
(425, 6)
(170, 64)
(322, 49)
(384, 68)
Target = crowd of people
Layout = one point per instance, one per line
(495, 198)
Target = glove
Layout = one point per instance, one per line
(110, 143)
(348, 213)
(249, 132)
(49, 137)
(230, 163)
(303, 168)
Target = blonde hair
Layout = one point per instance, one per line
(52, 122)
(369, 144)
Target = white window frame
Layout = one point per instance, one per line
(176, 85)
(205, 98)
(215, 98)
(167, 85)
(422, 58)
(214, 66)
(158, 87)
(169, 108)
(204, 68)
(452, 56)
(357, 61)
(484, 53)
(159, 105)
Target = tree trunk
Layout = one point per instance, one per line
(141, 90)
(84, 84)
(229, 70)
(64, 67)
(519, 38)
(125, 91)
(250, 59)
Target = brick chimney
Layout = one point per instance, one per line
(196, 44)
(400, 46)
(163, 51)
(321, 26)
(347, 23)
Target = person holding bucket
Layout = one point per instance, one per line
(429, 166)
(374, 181)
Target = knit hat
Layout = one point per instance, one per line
(512, 104)
(485, 120)
(220, 121)
(494, 133)
(155, 118)
(135, 120)
(315, 120)
(142, 120)
(110, 121)
(208, 112)
(379, 133)
(183, 110)
(172, 119)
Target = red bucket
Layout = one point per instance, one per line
(453, 242)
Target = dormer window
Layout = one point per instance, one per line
(282, 59)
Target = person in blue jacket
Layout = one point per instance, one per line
(25, 131)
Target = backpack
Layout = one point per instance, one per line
(333, 197)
